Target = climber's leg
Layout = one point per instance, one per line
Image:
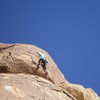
(39, 63)
(44, 68)
(44, 65)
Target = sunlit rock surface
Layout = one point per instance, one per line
(20, 79)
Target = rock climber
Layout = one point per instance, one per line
(42, 61)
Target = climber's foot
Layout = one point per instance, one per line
(46, 73)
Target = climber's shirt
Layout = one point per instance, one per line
(42, 57)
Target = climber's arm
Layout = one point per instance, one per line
(38, 53)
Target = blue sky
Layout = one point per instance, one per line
(69, 30)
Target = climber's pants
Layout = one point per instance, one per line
(42, 63)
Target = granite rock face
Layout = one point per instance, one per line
(21, 80)
(29, 87)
